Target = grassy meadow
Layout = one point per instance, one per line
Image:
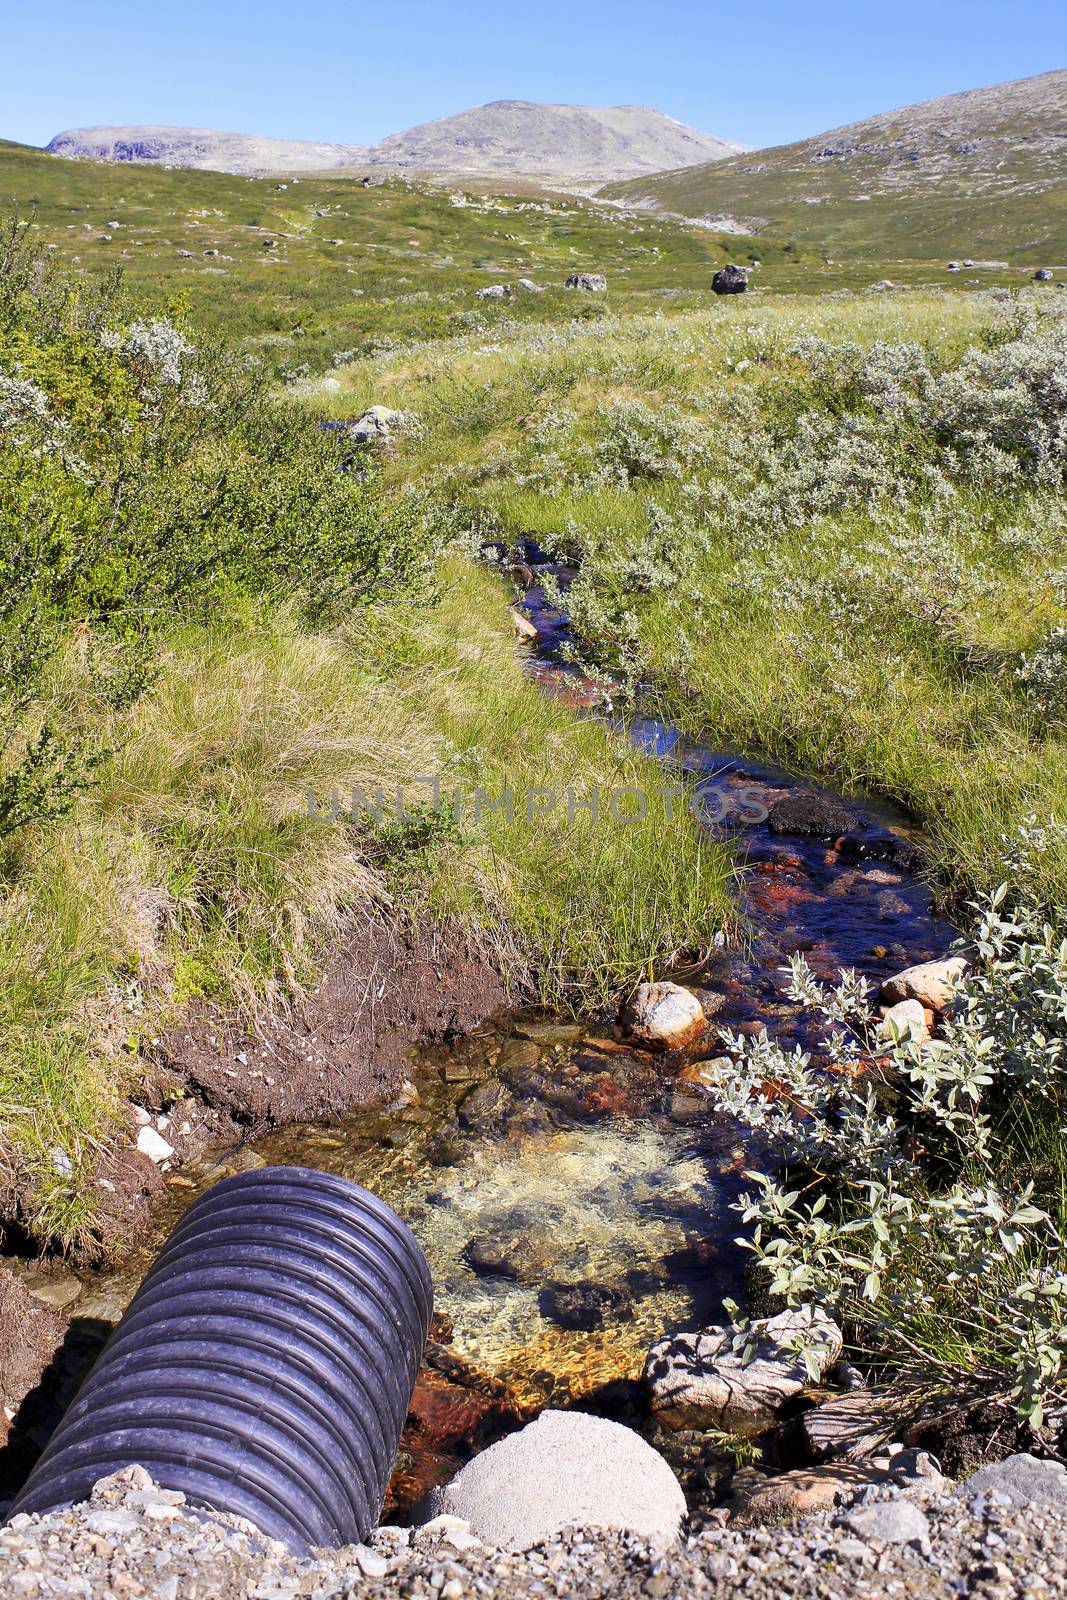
(828, 529)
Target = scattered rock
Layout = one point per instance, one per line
(932, 983)
(1024, 1479)
(664, 1016)
(1043, 275)
(592, 282)
(906, 1022)
(584, 1307)
(565, 1469)
(699, 1380)
(851, 1427)
(377, 425)
(731, 279)
(529, 287)
(813, 814)
(897, 1521)
(522, 625)
(153, 1145)
(802, 1492)
(493, 291)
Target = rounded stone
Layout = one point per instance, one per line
(564, 1470)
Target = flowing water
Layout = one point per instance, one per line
(573, 1194)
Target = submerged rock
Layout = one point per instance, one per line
(698, 1380)
(931, 983)
(814, 814)
(664, 1016)
(585, 1307)
(522, 1256)
(565, 1469)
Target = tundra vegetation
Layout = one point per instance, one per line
(829, 527)
(834, 531)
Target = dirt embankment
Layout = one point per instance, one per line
(388, 985)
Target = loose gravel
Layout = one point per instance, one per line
(133, 1539)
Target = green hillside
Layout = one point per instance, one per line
(981, 174)
(351, 269)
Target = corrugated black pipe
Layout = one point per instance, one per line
(265, 1365)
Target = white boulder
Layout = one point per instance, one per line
(564, 1470)
(664, 1016)
(932, 983)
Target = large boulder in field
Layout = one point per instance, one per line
(591, 282)
(730, 280)
(564, 1470)
(379, 425)
(698, 1380)
(664, 1016)
(931, 983)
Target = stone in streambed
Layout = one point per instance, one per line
(815, 815)
(523, 1257)
(906, 1023)
(664, 1016)
(698, 1380)
(931, 983)
(564, 1470)
(584, 1307)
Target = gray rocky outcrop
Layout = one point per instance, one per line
(701, 1380)
(592, 282)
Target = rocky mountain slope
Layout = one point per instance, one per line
(980, 172)
(205, 148)
(552, 141)
(508, 136)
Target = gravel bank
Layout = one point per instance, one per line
(135, 1540)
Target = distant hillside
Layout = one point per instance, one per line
(203, 148)
(979, 173)
(552, 141)
(518, 137)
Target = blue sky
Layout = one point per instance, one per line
(763, 73)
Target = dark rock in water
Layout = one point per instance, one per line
(584, 1307)
(730, 280)
(447, 1151)
(523, 1257)
(488, 1101)
(813, 814)
(899, 852)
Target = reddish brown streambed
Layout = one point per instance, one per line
(573, 1195)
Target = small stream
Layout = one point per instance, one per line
(572, 1193)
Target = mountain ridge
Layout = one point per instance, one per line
(991, 160)
(590, 143)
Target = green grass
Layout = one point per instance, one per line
(194, 869)
(875, 643)
(984, 181)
